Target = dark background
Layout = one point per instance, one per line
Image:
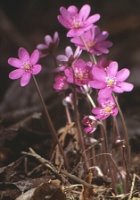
(26, 22)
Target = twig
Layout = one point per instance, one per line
(50, 166)
(132, 187)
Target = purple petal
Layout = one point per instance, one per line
(41, 46)
(64, 22)
(55, 37)
(96, 111)
(97, 84)
(62, 58)
(77, 41)
(48, 40)
(99, 74)
(15, 62)
(69, 75)
(75, 32)
(68, 51)
(112, 69)
(64, 12)
(77, 52)
(25, 79)
(73, 9)
(105, 93)
(66, 15)
(92, 19)
(23, 54)
(36, 69)
(84, 12)
(128, 87)
(122, 75)
(118, 89)
(34, 57)
(101, 35)
(16, 74)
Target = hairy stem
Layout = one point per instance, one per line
(107, 151)
(50, 123)
(125, 132)
(80, 134)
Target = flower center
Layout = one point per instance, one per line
(91, 44)
(81, 76)
(76, 23)
(108, 109)
(111, 81)
(27, 67)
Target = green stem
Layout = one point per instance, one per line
(50, 123)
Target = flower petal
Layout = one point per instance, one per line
(36, 69)
(98, 74)
(15, 62)
(73, 9)
(25, 79)
(92, 19)
(118, 89)
(34, 57)
(96, 111)
(62, 58)
(127, 87)
(23, 54)
(97, 84)
(16, 74)
(123, 74)
(41, 46)
(68, 51)
(84, 11)
(112, 69)
(48, 40)
(56, 37)
(105, 93)
(64, 22)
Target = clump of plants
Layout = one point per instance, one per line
(99, 151)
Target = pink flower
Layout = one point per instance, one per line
(26, 66)
(77, 21)
(60, 83)
(79, 73)
(69, 56)
(106, 108)
(49, 45)
(95, 41)
(89, 123)
(110, 80)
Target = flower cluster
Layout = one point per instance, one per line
(85, 75)
(103, 76)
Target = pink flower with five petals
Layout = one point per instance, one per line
(110, 80)
(107, 107)
(26, 66)
(77, 21)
